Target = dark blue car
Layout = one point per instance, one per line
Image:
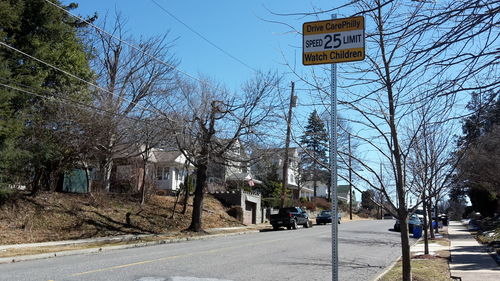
(326, 217)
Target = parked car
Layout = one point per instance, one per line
(290, 217)
(326, 217)
(388, 217)
(412, 221)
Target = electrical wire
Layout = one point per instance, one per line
(125, 42)
(69, 101)
(203, 37)
(76, 77)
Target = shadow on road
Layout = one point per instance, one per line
(352, 264)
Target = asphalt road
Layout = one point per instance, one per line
(366, 248)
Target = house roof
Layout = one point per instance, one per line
(130, 151)
(343, 190)
(166, 156)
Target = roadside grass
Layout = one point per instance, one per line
(434, 266)
(435, 269)
(442, 242)
(52, 216)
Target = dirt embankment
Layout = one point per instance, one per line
(59, 216)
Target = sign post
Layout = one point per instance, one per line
(331, 42)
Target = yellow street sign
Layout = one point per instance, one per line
(333, 41)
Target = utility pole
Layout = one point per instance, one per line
(287, 145)
(350, 178)
(380, 203)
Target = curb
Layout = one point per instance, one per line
(387, 269)
(118, 247)
(390, 266)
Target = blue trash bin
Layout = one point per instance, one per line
(435, 225)
(417, 231)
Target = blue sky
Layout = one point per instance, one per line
(238, 27)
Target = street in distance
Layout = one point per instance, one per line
(332, 41)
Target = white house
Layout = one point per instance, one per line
(170, 169)
(322, 190)
(165, 169)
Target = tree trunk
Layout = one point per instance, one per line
(201, 177)
(35, 187)
(87, 177)
(436, 215)
(176, 200)
(315, 185)
(108, 164)
(143, 181)
(405, 250)
(186, 195)
(425, 226)
(108, 167)
(186, 187)
(429, 215)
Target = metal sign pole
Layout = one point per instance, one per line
(333, 167)
(330, 42)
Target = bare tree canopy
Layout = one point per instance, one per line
(214, 123)
(133, 82)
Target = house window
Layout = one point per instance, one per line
(162, 173)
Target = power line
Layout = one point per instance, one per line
(203, 37)
(67, 101)
(76, 77)
(54, 67)
(125, 42)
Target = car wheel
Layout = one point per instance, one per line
(294, 224)
(306, 225)
(275, 227)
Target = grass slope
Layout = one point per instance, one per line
(59, 216)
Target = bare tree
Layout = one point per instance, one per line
(149, 134)
(430, 166)
(217, 122)
(133, 75)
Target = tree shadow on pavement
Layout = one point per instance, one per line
(352, 264)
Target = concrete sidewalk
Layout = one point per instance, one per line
(469, 259)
